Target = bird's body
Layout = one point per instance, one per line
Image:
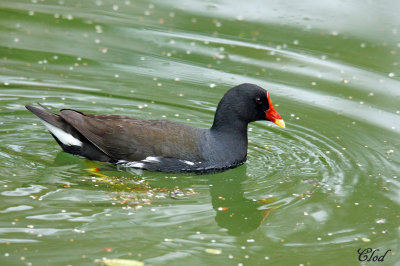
(160, 145)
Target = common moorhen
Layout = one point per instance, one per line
(166, 146)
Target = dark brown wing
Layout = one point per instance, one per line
(132, 139)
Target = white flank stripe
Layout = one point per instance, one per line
(135, 164)
(188, 162)
(64, 137)
(151, 159)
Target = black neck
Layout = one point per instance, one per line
(226, 121)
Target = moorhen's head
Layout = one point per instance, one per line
(248, 103)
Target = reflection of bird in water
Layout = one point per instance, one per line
(235, 212)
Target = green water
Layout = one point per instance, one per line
(312, 193)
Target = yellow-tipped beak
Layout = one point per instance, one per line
(280, 123)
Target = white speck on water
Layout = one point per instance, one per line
(319, 239)
(266, 258)
(363, 45)
(381, 221)
(16, 39)
(391, 75)
(31, 12)
(296, 42)
(212, 85)
(115, 7)
(356, 203)
(98, 29)
(116, 76)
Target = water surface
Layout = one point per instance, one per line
(315, 192)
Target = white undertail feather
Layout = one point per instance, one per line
(64, 137)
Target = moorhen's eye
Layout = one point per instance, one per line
(258, 100)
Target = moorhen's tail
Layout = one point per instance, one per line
(67, 136)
